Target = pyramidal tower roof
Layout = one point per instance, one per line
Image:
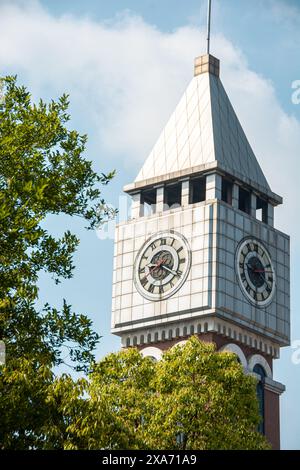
(203, 134)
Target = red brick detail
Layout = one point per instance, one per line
(272, 419)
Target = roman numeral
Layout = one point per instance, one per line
(151, 288)
(144, 281)
(263, 254)
(268, 289)
(163, 241)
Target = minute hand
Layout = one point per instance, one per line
(263, 271)
(264, 279)
(175, 273)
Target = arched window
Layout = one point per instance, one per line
(156, 337)
(181, 439)
(235, 349)
(152, 352)
(149, 338)
(184, 331)
(192, 329)
(177, 332)
(127, 342)
(259, 370)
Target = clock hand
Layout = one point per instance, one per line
(262, 271)
(175, 273)
(264, 279)
(155, 266)
(258, 270)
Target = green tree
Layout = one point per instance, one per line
(194, 398)
(38, 408)
(42, 173)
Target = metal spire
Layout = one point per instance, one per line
(208, 26)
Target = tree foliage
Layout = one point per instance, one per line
(42, 172)
(193, 399)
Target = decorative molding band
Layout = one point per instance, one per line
(180, 330)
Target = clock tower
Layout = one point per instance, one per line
(200, 254)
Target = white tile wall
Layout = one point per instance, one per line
(127, 273)
(127, 259)
(184, 303)
(196, 300)
(207, 248)
(227, 244)
(126, 287)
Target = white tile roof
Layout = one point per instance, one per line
(204, 129)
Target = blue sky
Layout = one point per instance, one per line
(125, 65)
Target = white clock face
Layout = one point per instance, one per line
(162, 265)
(255, 272)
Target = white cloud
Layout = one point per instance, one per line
(125, 77)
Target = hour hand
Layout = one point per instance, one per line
(250, 267)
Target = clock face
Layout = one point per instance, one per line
(255, 272)
(162, 265)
